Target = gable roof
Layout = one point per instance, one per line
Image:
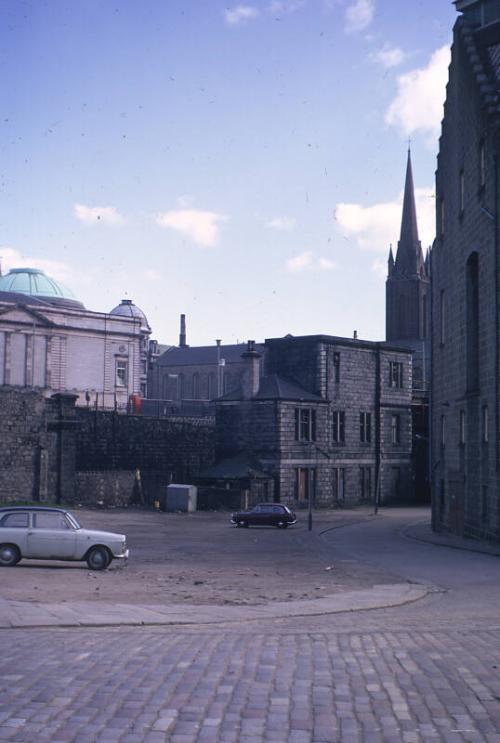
(190, 355)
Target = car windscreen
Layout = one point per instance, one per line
(74, 523)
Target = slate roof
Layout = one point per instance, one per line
(191, 355)
(274, 387)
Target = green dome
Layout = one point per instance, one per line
(36, 283)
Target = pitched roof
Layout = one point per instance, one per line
(190, 355)
(274, 387)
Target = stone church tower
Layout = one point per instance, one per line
(408, 279)
(408, 325)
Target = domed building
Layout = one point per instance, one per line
(50, 341)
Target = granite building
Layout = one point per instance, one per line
(465, 283)
(329, 420)
(50, 341)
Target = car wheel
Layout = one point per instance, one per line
(243, 523)
(9, 555)
(282, 525)
(98, 558)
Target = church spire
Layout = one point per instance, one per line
(409, 258)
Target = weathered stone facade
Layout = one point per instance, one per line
(52, 451)
(329, 421)
(466, 284)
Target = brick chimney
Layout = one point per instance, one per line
(251, 372)
(182, 334)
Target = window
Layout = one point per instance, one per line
(482, 165)
(196, 386)
(339, 485)
(15, 520)
(441, 217)
(461, 192)
(121, 373)
(211, 386)
(472, 322)
(305, 424)
(365, 483)
(443, 430)
(395, 374)
(336, 367)
(424, 316)
(442, 317)
(486, 425)
(462, 427)
(338, 427)
(484, 504)
(50, 520)
(395, 428)
(305, 484)
(365, 427)
(143, 389)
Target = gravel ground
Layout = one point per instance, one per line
(201, 558)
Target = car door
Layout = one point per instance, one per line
(50, 536)
(14, 529)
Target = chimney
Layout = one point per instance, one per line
(355, 335)
(182, 335)
(251, 372)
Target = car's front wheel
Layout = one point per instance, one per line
(282, 524)
(9, 555)
(98, 558)
(242, 523)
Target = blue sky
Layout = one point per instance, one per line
(241, 163)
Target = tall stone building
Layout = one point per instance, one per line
(329, 421)
(466, 283)
(408, 325)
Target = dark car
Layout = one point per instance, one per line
(265, 514)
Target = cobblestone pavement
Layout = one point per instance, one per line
(152, 686)
(417, 673)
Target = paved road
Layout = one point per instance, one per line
(429, 671)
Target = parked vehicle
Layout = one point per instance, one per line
(42, 533)
(265, 514)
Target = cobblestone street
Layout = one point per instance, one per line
(134, 685)
(422, 671)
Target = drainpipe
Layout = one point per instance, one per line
(378, 453)
(497, 330)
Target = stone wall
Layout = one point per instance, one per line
(52, 451)
(36, 445)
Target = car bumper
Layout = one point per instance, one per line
(122, 555)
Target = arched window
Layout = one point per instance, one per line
(211, 386)
(182, 386)
(196, 386)
(472, 322)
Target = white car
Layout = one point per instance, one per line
(40, 533)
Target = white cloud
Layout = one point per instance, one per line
(282, 223)
(389, 56)
(98, 214)
(379, 267)
(359, 15)
(418, 105)
(300, 262)
(12, 258)
(306, 261)
(376, 227)
(325, 264)
(202, 227)
(240, 14)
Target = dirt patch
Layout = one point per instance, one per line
(199, 559)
